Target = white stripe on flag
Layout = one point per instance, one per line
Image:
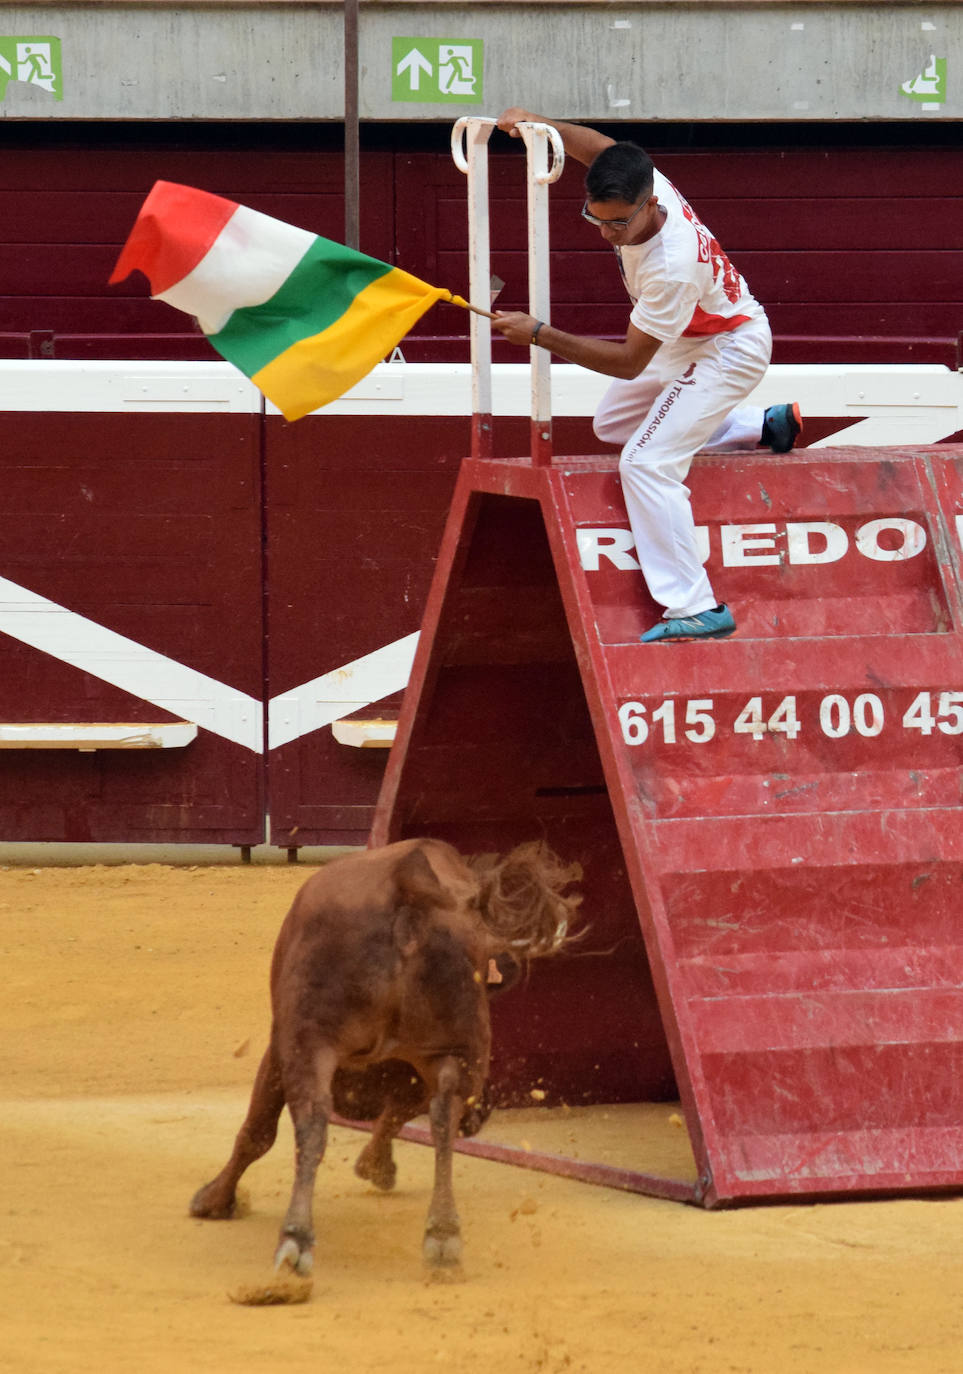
(251, 258)
(132, 667)
(340, 692)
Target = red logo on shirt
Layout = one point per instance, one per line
(710, 251)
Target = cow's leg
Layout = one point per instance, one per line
(405, 1097)
(217, 1199)
(376, 1162)
(442, 1244)
(310, 1103)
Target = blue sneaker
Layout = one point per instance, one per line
(781, 427)
(714, 624)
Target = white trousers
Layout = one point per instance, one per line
(684, 401)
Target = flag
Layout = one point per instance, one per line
(303, 317)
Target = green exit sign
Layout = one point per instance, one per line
(32, 61)
(437, 71)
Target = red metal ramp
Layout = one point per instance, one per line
(781, 810)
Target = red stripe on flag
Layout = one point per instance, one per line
(175, 228)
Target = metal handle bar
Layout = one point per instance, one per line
(458, 131)
(461, 127)
(553, 172)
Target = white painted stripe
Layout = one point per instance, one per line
(82, 643)
(925, 426)
(59, 386)
(338, 693)
(404, 389)
(247, 263)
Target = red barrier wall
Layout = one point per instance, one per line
(269, 579)
(354, 514)
(148, 528)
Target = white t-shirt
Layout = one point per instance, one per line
(680, 282)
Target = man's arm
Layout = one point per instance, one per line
(625, 360)
(580, 142)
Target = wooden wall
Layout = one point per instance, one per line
(849, 234)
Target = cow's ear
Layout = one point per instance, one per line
(504, 971)
(417, 884)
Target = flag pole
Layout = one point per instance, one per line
(467, 305)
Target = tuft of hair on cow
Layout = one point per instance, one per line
(523, 899)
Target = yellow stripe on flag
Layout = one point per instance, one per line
(319, 369)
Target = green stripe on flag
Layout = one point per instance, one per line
(318, 292)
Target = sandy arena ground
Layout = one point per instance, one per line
(134, 1012)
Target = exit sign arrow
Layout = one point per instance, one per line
(436, 71)
(414, 63)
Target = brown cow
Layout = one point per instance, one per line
(379, 988)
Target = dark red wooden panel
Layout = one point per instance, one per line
(148, 526)
(866, 344)
(821, 247)
(70, 314)
(55, 269)
(14, 345)
(844, 224)
(63, 218)
(108, 347)
(355, 510)
(78, 217)
(788, 225)
(287, 164)
(800, 173)
(869, 277)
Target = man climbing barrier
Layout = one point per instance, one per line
(697, 344)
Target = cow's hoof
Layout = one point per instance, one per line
(295, 1255)
(210, 1202)
(442, 1248)
(381, 1172)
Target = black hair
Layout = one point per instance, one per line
(622, 171)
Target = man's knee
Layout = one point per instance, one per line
(631, 460)
(639, 450)
(647, 465)
(609, 429)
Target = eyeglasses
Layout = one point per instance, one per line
(611, 223)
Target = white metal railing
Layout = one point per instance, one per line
(542, 171)
(469, 149)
